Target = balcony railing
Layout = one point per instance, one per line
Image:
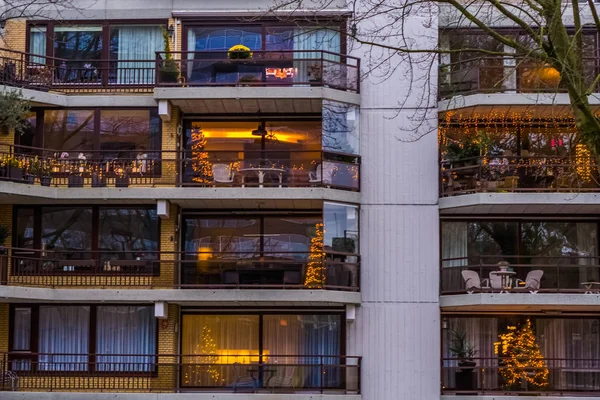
(249, 168)
(204, 270)
(509, 75)
(520, 274)
(25, 371)
(209, 68)
(556, 375)
(262, 68)
(519, 174)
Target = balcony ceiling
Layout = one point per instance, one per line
(549, 303)
(521, 204)
(249, 106)
(538, 105)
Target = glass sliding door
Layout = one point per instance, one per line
(294, 351)
(80, 48)
(134, 48)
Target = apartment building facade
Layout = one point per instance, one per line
(518, 224)
(207, 201)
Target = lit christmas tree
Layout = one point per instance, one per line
(315, 270)
(523, 363)
(207, 349)
(200, 163)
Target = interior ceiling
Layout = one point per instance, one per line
(249, 106)
(523, 209)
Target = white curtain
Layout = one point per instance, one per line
(454, 246)
(21, 337)
(191, 46)
(314, 38)
(136, 53)
(586, 247)
(63, 338)
(126, 338)
(37, 44)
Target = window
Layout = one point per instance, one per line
(81, 46)
(69, 130)
(129, 133)
(135, 47)
(125, 233)
(125, 330)
(340, 227)
(218, 344)
(37, 45)
(63, 338)
(125, 338)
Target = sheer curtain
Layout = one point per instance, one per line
(213, 345)
(454, 246)
(21, 337)
(136, 53)
(303, 338)
(37, 45)
(191, 46)
(63, 338)
(314, 38)
(126, 338)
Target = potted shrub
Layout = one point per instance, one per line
(461, 349)
(239, 52)
(33, 169)
(45, 174)
(98, 178)
(13, 169)
(122, 179)
(168, 70)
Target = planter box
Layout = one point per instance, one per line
(98, 181)
(29, 179)
(45, 180)
(122, 181)
(15, 174)
(75, 181)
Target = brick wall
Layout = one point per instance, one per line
(15, 34)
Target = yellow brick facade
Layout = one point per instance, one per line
(15, 34)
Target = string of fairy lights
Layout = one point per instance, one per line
(315, 268)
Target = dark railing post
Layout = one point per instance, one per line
(358, 374)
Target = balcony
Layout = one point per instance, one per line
(578, 377)
(523, 174)
(490, 75)
(122, 169)
(329, 270)
(217, 373)
(520, 274)
(185, 69)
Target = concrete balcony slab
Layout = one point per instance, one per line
(551, 303)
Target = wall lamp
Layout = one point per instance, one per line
(171, 31)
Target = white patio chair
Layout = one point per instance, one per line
(222, 173)
(324, 173)
(472, 281)
(532, 281)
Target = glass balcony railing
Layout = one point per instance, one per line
(256, 168)
(519, 174)
(210, 68)
(328, 270)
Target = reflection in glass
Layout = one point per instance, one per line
(25, 228)
(69, 130)
(128, 233)
(341, 227)
(68, 230)
(340, 127)
(81, 46)
(129, 133)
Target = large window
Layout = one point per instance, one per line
(96, 133)
(219, 345)
(125, 338)
(79, 233)
(559, 354)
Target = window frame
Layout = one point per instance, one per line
(91, 352)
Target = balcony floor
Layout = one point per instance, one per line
(212, 297)
(520, 302)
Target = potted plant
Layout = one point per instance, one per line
(239, 52)
(315, 73)
(34, 168)
(13, 168)
(122, 179)
(168, 70)
(461, 349)
(45, 174)
(247, 79)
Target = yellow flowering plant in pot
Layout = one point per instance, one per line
(239, 52)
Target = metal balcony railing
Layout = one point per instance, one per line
(26, 371)
(519, 174)
(328, 269)
(532, 376)
(248, 168)
(520, 274)
(207, 68)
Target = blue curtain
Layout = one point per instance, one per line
(126, 338)
(63, 338)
